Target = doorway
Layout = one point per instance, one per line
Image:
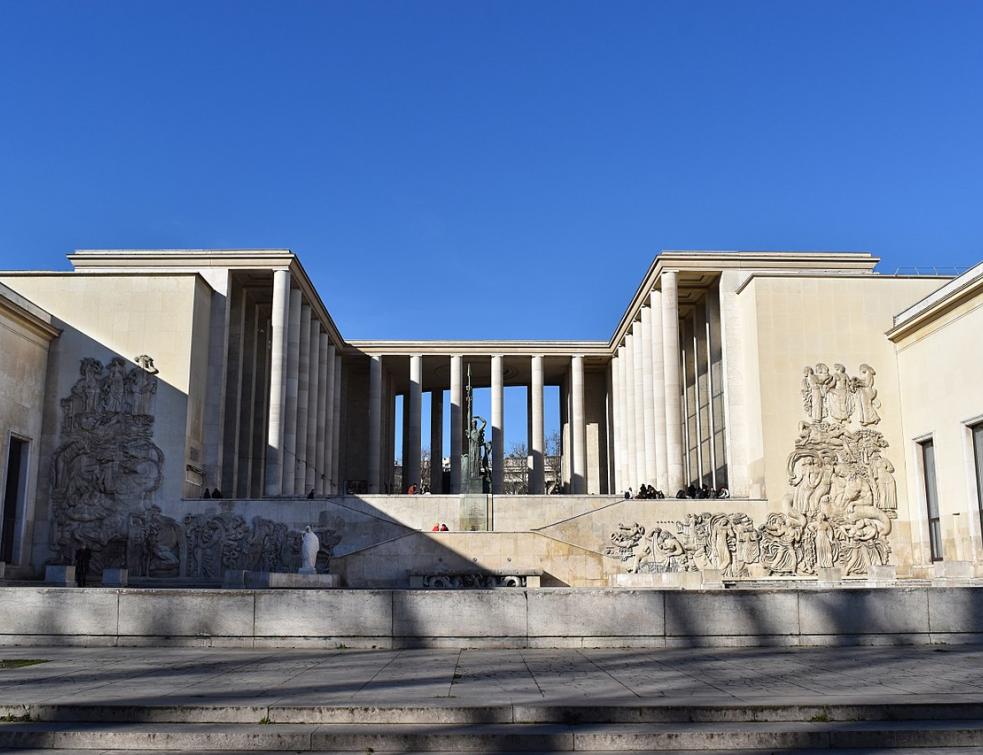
(14, 492)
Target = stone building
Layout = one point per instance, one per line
(805, 385)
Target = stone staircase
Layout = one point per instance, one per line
(896, 728)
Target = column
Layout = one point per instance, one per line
(618, 364)
(278, 382)
(498, 424)
(415, 398)
(336, 485)
(324, 379)
(290, 419)
(578, 426)
(608, 477)
(330, 415)
(648, 404)
(628, 375)
(303, 400)
(457, 439)
(314, 403)
(670, 350)
(659, 391)
(375, 422)
(638, 359)
(537, 484)
(436, 440)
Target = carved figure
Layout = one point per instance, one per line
(147, 362)
(867, 395)
(311, 545)
(886, 486)
(839, 399)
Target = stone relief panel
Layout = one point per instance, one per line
(105, 474)
(837, 511)
(107, 465)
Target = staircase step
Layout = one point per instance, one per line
(795, 736)
(494, 714)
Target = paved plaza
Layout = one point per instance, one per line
(457, 678)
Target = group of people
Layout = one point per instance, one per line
(647, 492)
(439, 527)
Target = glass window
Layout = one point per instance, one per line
(932, 499)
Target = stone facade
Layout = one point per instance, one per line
(197, 410)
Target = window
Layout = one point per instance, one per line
(977, 431)
(932, 499)
(13, 495)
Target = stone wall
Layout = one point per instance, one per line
(511, 617)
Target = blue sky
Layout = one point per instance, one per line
(530, 156)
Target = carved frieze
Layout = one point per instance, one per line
(837, 511)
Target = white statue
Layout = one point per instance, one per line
(308, 552)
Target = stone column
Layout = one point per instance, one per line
(324, 376)
(638, 383)
(498, 424)
(579, 426)
(278, 382)
(670, 350)
(330, 415)
(618, 364)
(314, 404)
(411, 466)
(457, 430)
(375, 422)
(336, 481)
(648, 403)
(290, 420)
(537, 483)
(628, 376)
(303, 400)
(436, 440)
(659, 392)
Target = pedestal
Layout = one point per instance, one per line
(115, 577)
(946, 572)
(236, 579)
(474, 513)
(712, 579)
(882, 575)
(829, 576)
(59, 576)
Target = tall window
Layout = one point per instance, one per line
(977, 431)
(932, 499)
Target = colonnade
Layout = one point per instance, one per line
(645, 378)
(378, 443)
(303, 427)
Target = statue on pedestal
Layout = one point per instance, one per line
(476, 475)
(310, 545)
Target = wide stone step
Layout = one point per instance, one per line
(795, 736)
(494, 714)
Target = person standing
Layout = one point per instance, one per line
(82, 558)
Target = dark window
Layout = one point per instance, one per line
(977, 431)
(932, 499)
(13, 492)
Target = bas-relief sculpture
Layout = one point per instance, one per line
(105, 474)
(838, 509)
(107, 466)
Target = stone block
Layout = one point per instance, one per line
(661, 580)
(952, 570)
(3, 569)
(723, 614)
(184, 613)
(328, 613)
(955, 609)
(712, 579)
(534, 581)
(882, 574)
(115, 577)
(474, 513)
(829, 576)
(864, 611)
(596, 613)
(299, 581)
(459, 613)
(62, 576)
(58, 612)
(234, 579)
